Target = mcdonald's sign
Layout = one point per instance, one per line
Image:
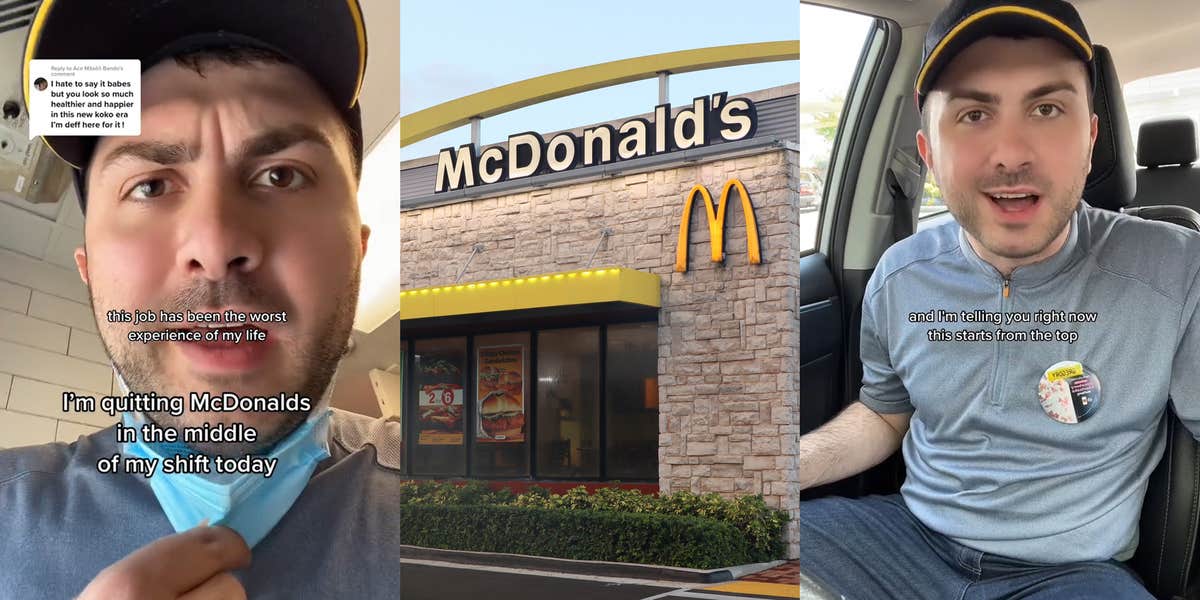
(716, 224)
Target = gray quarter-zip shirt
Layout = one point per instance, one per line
(62, 522)
(987, 464)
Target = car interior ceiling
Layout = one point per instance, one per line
(1143, 42)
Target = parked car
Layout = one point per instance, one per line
(811, 188)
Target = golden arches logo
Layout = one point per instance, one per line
(716, 224)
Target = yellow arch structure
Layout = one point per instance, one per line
(456, 113)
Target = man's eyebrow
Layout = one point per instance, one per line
(969, 94)
(163, 153)
(264, 144)
(1050, 88)
(279, 139)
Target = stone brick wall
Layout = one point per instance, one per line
(728, 333)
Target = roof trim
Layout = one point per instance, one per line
(588, 286)
(456, 113)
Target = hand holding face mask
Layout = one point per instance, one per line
(193, 565)
(248, 503)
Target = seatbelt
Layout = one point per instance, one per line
(902, 214)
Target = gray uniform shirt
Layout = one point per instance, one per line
(62, 522)
(987, 466)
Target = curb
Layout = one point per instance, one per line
(586, 567)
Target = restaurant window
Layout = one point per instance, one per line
(631, 390)
(439, 373)
(501, 392)
(568, 403)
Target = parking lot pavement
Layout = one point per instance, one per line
(426, 580)
(430, 580)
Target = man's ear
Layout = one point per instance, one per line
(1095, 131)
(366, 234)
(923, 148)
(81, 264)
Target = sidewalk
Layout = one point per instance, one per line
(780, 582)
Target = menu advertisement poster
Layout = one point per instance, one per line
(439, 405)
(440, 408)
(500, 394)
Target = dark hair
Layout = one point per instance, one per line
(242, 56)
(1015, 36)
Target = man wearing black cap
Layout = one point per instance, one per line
(238, 197)
(1028, 444)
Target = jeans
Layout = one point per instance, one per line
(875, 549)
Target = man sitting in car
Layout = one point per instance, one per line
(1028, 442)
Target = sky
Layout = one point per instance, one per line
(451, 50)
(446, 54)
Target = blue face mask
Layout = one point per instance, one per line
(249, 504)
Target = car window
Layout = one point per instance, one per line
(931, 198)
(831, 42)
(1170, 95)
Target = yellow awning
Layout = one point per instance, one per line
(589, 286)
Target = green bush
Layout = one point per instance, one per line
(760, 525)
(444, 493)
(655, 539)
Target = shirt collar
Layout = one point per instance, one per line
(1076, 245)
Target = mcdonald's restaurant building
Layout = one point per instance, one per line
(611, 305)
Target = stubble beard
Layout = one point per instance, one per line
(967, 208)
(316, 360)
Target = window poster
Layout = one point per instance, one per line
(439, 401)
(500, 394)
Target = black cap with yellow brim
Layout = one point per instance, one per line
(325, 38)
(964, 22)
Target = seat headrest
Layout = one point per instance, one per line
(1170, 141)
(1113, 180)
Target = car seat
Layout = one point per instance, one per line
(1166, 148)
(1166, 553)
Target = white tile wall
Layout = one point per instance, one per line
(5, 383)
(70, 214)
(14, 297)
(87, 346)
(20, 429)
(16, 327)
(48, 345)
(69, 432)
(46, 399)
(24, 231)
(51, 367)
(39, 275)
(61, 248)
(60, 310)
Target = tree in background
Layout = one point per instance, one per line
(933, 193)
(827, 121)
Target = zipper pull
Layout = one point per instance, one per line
(1005, 287)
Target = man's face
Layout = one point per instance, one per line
(239, 195)
(1010, 143)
